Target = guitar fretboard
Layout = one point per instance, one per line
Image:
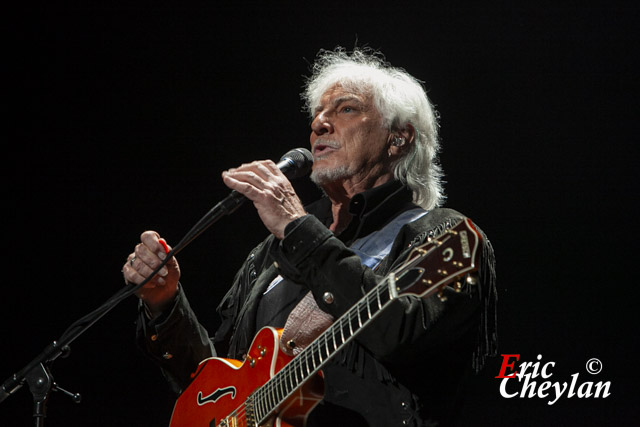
(267, 398)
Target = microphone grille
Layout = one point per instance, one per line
(302, 162)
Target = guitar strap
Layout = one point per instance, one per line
(306, 321)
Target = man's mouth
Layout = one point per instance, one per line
(324, 148)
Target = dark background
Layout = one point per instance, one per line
(121, 119)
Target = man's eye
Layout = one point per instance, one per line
(347, 109)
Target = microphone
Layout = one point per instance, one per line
(296, 163)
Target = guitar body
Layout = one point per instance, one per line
(220, 388)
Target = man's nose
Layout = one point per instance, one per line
(321, 125)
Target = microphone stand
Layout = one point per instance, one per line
(37, 373)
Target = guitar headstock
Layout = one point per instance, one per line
(441, 260)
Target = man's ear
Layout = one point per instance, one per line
(401, 139)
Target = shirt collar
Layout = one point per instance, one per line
(371, 209)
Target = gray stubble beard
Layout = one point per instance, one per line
(322, 177)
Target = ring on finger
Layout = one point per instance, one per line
(131, 262)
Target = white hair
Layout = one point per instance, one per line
(401, 100)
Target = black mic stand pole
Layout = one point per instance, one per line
(37, 373)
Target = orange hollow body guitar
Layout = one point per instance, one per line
(221, 392)
(271, 388)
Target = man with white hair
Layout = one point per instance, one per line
(374, 140)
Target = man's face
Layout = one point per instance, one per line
(348, 140)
